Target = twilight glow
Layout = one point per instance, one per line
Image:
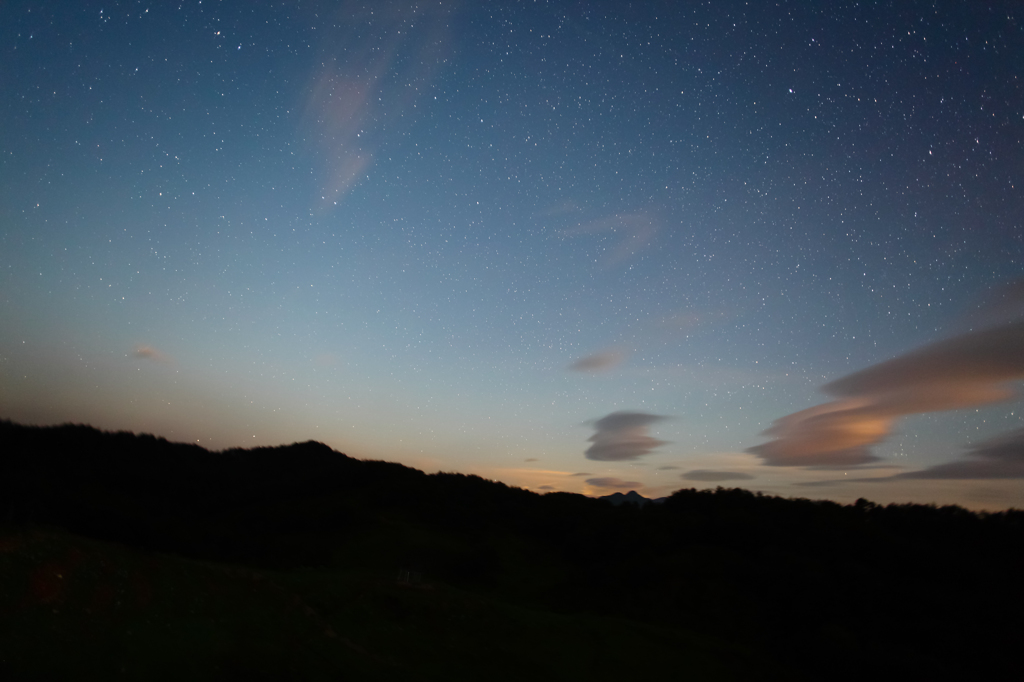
(585, 247)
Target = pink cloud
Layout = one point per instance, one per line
(597, 362)
(149, 353)
(966, 371)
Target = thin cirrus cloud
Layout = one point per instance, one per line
(390, 54)
(708, 476)
(149, 353)
(1004, 304)
(965, 371)
(636, 232)
(597, 362)
(622, 436)
(614, 483)
(999, 457)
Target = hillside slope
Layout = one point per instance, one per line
(752, 583)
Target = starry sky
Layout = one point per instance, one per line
(580, 246)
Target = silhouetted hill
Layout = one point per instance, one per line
(801, 586)
(632, 497)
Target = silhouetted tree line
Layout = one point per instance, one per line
(844, 590)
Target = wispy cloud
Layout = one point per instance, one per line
(150, 353)
(567, 206)
(598, 361)
(999, 457)
(708, 476)
(614, 483)
(824, 484)
(635, 232)
(368, 72)
(325, 360)
(680, 321)
(623, 436)
(530, 459)
(1003, 304)
(969, 370)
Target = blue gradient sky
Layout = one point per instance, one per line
(459, 235)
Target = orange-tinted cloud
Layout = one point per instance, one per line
(149, 353)
(966, 371)
(597, 362)
(623, 436)
(1001, 457)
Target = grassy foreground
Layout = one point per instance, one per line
(77, 608)
(164, 560)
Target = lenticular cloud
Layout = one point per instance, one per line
(622, 436)
(966, 371)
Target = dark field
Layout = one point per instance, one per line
(128, 554)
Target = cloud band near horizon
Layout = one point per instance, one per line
(969, 370)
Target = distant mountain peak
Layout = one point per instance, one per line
(632, 496)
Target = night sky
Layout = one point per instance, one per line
(581, 246)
